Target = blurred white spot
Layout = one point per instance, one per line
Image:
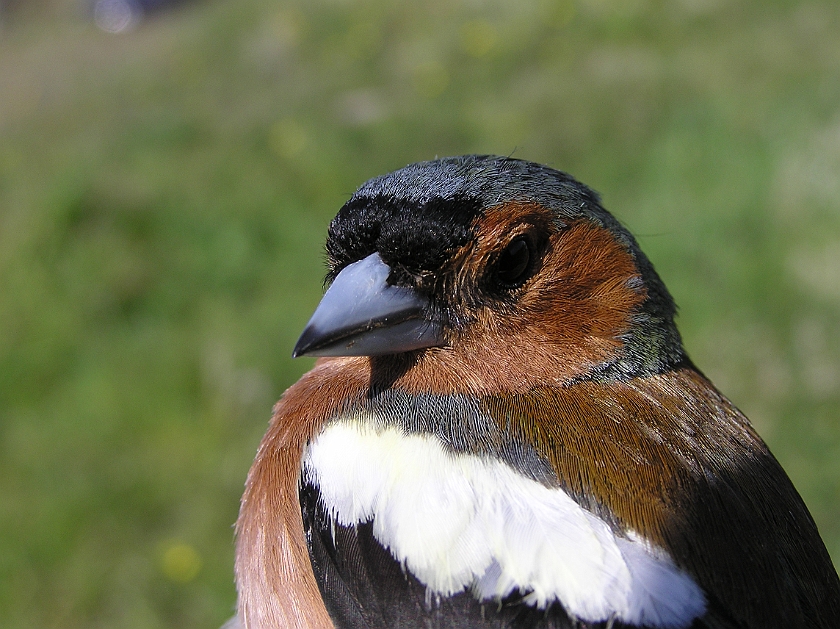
(116, 16)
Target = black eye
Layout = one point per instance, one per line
(514, 265)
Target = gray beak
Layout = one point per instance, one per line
(362, 315)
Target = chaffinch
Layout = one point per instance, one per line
(504, 430)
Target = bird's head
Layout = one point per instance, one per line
(491, 273)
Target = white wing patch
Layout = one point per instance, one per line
(460, 521)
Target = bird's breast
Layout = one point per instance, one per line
(458, 520)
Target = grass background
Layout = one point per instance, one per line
(164, 195)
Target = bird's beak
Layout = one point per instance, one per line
(362, 315)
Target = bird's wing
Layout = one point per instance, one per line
(670, 459)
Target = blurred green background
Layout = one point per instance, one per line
(165, 192)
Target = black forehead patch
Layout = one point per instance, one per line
(417, 216)
(411, 235)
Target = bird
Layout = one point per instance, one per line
(503, 429)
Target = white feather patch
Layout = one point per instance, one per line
(460, 521)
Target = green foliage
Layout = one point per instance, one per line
(164, 194)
